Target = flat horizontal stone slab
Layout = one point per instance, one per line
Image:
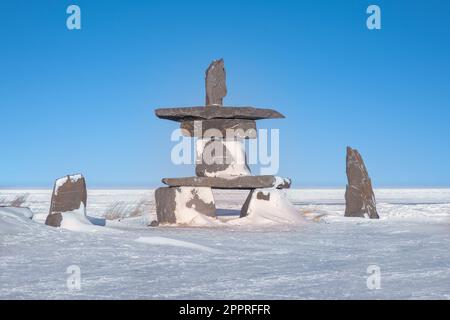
(241, 182)
(221, 128)
(216, 112)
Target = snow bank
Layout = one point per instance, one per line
(15, 220)
(76, 220)
(162, 241)
(269, 206)
(18, 211)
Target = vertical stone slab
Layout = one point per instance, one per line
(165, 205)
(215, 83)
(359, 195)
(69, 194)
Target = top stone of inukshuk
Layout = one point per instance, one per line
(220, 127)
(215, 83)
(359, 196)
(214, 119)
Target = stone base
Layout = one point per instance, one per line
(54, 220)
(183, 204)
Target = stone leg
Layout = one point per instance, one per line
(244, 209)
(183, 204)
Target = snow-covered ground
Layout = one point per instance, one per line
(326, 257)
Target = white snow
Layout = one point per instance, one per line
(327, 257)
(14, 220)
(276, 210)
(18, 211)
(163, 241)
(76, 220)
(280, 181)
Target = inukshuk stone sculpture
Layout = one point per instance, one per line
(221, 162)
(359, 196)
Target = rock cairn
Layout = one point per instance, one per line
(221, 161)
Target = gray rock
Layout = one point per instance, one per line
(220, 128)
(171, 203)
(181, 114)
(154, 223)
(245, 206)
(261, 196)
(54, 219)
(359, 196)
(216, 158)
(215, 83)
(241, 182)
(165, 205)
(69, 194)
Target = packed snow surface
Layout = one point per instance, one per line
(326, 256)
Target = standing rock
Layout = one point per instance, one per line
(359, 196)
(69, 194)
(215, 83)
(165, 205)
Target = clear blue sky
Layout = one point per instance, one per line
(83, 100)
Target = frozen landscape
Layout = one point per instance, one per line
(323, 256)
